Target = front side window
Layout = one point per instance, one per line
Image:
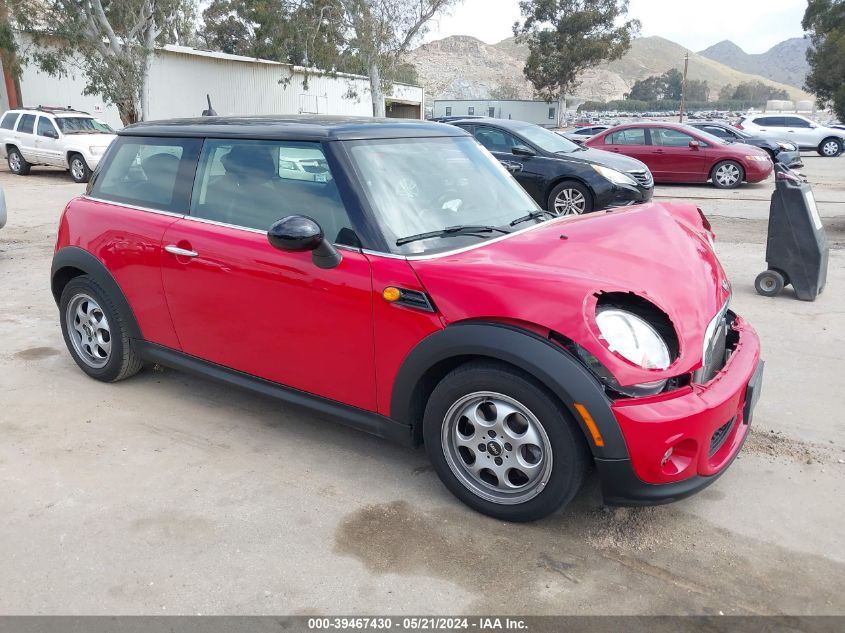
(496, 140)
(794, 121)
(46, 128)
(629, 136)
(27, 123)
(154, 173)
(429, 184)
(254, 184)
(9, 120)
(668, 137)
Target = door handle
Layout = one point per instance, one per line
(181, 252)
(658, 151)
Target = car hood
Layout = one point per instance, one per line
(619, 162)
(94, 138)
(549, 276)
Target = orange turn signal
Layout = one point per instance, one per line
(598, 440)
(391, 294)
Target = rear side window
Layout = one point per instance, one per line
(770, 121)
(155, 173)
(254, 184)
(9, 120)
(630, 136)
(27, 123)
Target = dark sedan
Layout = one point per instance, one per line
(562, 176)
(782, 152)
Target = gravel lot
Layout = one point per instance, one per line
(168, 494)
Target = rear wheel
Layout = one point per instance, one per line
(830, 147)
(502, 444)
(17, 163)
(96, 333)
(769, 283)
(79, 170)
(570, 198)
(727, 175)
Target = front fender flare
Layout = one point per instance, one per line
(554, 367)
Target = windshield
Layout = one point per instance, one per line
(419, 185)
(82, 125)
(706, 136)
(548, 141)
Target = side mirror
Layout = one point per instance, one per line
(694, 144)
(298, 233)
(522, 150)
(51, 134)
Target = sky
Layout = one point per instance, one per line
(755, 25)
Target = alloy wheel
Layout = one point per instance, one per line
(77, 168)
(570, 202)
(14, 161)
(496, 447)
(727, 174)
(89, 330)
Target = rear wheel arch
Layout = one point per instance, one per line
(551, 367)
(71, 262)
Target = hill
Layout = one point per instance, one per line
(786, 62)
(463, 67)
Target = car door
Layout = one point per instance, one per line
(528, 170)
(771, 127)
(47, 143)
(800, 132)
(239, 302)
(674, 159)
(631, 141)
(25, 138)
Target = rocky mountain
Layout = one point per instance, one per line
(463, 67)
(786, 62)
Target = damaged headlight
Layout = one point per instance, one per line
(633, 338)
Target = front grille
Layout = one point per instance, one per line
(720, 436)
(642, 176)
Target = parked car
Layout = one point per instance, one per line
(807, 134)
(562, 177)
(677, 153)
(57, 137)
(424, 297)
(581, 134)
(779, 151)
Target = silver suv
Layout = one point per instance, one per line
(808, 135)
(58, 137)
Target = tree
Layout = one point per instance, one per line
(504, 91)
(380, 32)
(111, 41)
(697, 90)
(674, 81)
(758, 92)
(726, 93)
(825, 22)
(566, 37)
(648, 89)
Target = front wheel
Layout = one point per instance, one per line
(570, 198)
(727, 175)
(79, 170)
(502, 444)
(830, 147)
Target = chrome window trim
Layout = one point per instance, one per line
(134, 206)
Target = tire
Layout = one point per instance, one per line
(830, 147)
(546, 472)
(17, 163)
(79, 170)
(570, 198)
(95, 332)
(727, 174)
(769, 283)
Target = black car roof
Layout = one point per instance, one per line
(506, 124)
(293, 127)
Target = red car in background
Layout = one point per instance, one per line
(679, 153)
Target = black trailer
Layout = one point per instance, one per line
(796, 249)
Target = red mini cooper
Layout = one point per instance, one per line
(393, 274)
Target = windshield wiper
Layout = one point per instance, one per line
(532, 216)
(463, 229)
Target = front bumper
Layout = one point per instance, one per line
(624, 195)
(705, 427)
(790, 159)
(758, 171)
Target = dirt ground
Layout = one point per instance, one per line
(169, 494)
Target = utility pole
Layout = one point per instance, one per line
(684, 88)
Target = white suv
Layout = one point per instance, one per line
(805, 133)
(58, 137)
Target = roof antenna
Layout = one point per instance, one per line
(210, 111)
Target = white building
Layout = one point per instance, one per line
(180, 78)
(539, 112)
